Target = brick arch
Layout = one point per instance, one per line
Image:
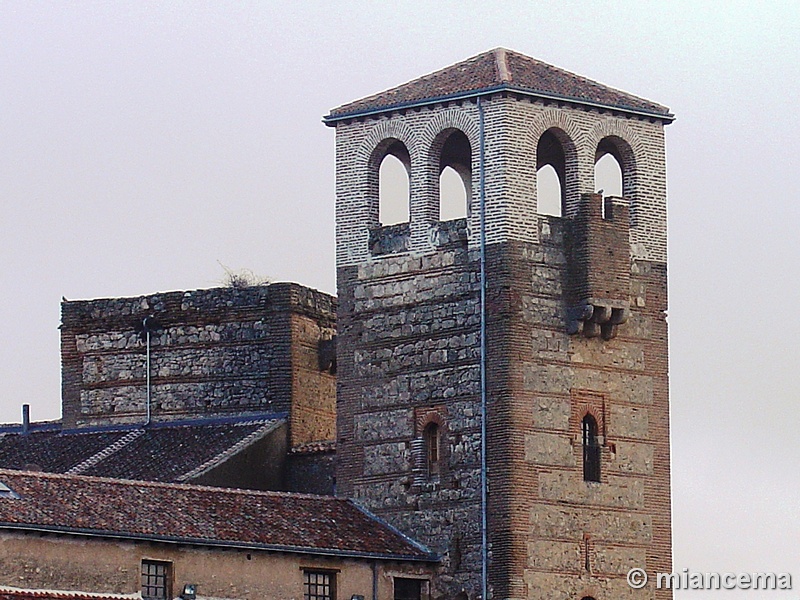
(451, 118)
(596, 414)
(572, 141)
(426, 416)
(436, 132)
(371, 153)
(382, 130)
(630, 153)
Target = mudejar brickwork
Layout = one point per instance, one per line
(576, 337)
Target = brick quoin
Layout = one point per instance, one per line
(575, 323)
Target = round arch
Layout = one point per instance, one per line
(393, 137)
(554, 137)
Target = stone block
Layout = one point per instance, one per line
(549, 449)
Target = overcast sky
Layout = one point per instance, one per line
(143, 145)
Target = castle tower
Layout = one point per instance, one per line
(575, 357)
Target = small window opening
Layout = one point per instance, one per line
(156, 584)
(394, 189)
(608, 176)
(407, 589)
(550, 175)
(591, 449)
(455, 176)
(319, 585)
(432, 441)
(548, 191)
(453, 195)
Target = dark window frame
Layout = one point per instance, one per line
(411, 588)
(156, 579)
(432, 436)
(591, 449)
(319, 584)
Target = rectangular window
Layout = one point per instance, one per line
(407, 589)
(156, 580)
(319, 585)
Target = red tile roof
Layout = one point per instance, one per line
(9, 593)
(199, 515)
(499, 69)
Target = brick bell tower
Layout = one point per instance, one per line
(573, 371)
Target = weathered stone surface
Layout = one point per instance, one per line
(386, 426)
(552, 586)
(617, 560)
(548, 379)
(550, 555)
(621, 492)
(549, 449)
(557, 522)
(624, 387)
(382, 459)
(628, 421)
(633, 457)
(551, 413)
(613, 354)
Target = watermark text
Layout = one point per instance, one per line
(695, 580)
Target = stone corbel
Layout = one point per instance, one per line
(595, 317)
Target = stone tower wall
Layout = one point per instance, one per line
(408, 351)
(215, 352)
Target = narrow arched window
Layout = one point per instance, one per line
(455, 174)
(551, 173)
(452, 195)
(394, 191)
(432, 453)
(548, 191)
(608, 176)
(591, 449)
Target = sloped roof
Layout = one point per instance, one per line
(499, 70)
(11, 593)
(187, 514)
(167, 452)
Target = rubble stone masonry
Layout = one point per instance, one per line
(213, 352)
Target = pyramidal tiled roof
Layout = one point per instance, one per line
(500, 69)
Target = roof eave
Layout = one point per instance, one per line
(229, 545)
(332, 119)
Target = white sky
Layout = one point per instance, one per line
(142, 144)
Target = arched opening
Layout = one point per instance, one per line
(452, 195)
(608, 176)
(548, 191)
(390, 183)
(551, 173)
(432, 454)
(591, 449)
(394, 191)
(455, 175)
(615, 167)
